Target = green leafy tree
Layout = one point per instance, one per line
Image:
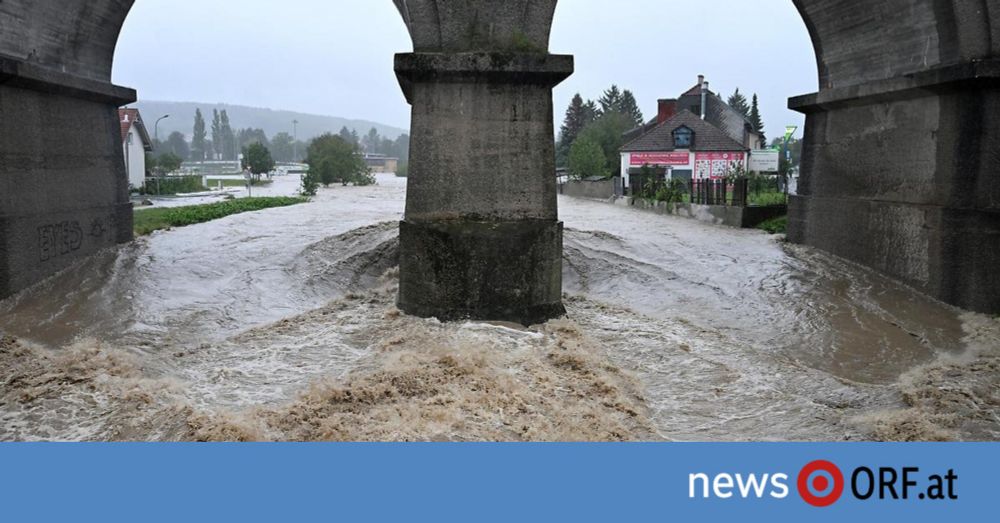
(607, 132)
(176, 144)
(739, 102)
(152, 163)
(168, 163)
(587, 160)
(283, 147)
(372, 141)
(401, 148)
(332, 159)
(347, 135)
(228, 137)
(218, 143)
(198, 145)
(247, 137)
(257, 159)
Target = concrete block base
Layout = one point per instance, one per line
(36, 246)
(488, 271)
(950, 254)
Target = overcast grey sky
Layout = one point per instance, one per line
(334, 57)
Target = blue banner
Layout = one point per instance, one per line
(498, 482)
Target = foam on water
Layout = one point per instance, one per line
(676, 330)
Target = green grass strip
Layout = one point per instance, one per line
(149, 220)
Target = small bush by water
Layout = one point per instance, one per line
(775, 226)
(149, 220)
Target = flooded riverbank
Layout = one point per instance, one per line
(280, 325)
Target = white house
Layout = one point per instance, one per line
(136, 143)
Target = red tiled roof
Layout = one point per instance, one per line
(707, 137)
(129, 117)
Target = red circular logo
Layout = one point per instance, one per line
(814, 485)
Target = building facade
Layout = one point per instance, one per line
(696, 136)
(683, 146)
(135, 144)
(380, 163)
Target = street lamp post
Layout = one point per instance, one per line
(156, 127)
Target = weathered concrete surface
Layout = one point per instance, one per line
(599, 190)
(497, 270)
(481, 237)
(901, 164)
(63, 187)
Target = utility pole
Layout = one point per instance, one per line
(295, 141)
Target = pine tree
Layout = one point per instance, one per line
(755, 119)
(611, 101)
(629, 107)
(592, 112)
(578, 116)
(739, 102)
(345, 134)
(576, 119)
(198, 139)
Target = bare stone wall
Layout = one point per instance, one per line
(601, 190)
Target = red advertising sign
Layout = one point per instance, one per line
(713, 157)
(660, 159)
(716, 165)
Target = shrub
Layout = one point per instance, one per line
(775, 225)
(310, 184)
(170, 185)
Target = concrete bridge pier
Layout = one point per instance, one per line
(63, 186)
(901, 160)
(481, 238)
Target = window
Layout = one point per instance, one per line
(683, 138)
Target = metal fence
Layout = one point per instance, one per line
(740, 192)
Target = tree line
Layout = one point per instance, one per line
(221, 142)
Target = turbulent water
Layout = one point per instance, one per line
(280, 325)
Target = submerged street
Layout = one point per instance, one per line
(281, 325)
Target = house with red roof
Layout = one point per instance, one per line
(135, 143)
(696, 136)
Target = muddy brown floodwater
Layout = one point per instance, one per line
(280, 325)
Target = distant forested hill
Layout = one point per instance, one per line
(271, 121)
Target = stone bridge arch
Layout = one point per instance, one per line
(900, 166)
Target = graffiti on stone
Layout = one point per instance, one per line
(59, 239)
(97, 228)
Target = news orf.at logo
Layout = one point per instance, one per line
(821, 484)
